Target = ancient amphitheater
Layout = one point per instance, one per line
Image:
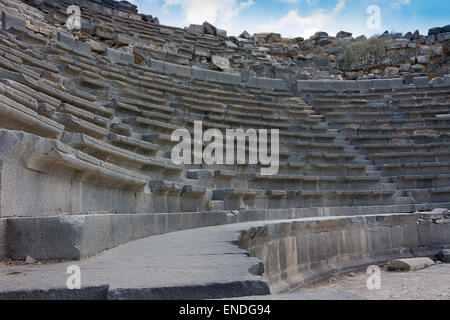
(86, 172)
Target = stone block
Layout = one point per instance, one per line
(421, 82)
(337, 85)
(447, 80)
(364, 84)
(264, 83)
(214, 76)
(113, 55)
(195, 29)
(441, 37)
(278, 84)
(221, 33)
(320, 85)
(156, 65)
(84, 47)
(127, 57)
(9, 21)
(435, 30)
(424, 59)
(252, 81)
(198, 74)
(122, 40)
(182, 71)
(437, 82)
(220, 62)
(3, 240)
(428, 233)
(58, 237)
(235, 78)
(350, 85)
(413, 264)
(381, 84)
(443, 230)
(303, 85)
(444, 255)
(67, 38)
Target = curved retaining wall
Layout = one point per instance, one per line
(298, 253)
(376, 84)
(196, 73)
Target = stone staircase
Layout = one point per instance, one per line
(400, 132)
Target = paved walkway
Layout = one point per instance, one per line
(192, 264)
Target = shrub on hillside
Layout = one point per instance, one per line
(361, 50)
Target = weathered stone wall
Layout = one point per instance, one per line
(196, 73)
(301, 252)
(3, 242)
(266, 55)
(34, 182)
(376, 84)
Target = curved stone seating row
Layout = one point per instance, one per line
(172, 128)
(405, 135)
(17, 117)
(239, 199)
(286, 182)
(161, 128)
(76, 113)
(363, 96)
(422, 168)
(305, 86)
(76, 124)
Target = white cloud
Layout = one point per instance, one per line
(218, 12)
(292, 1)
(292, 24)
(340, 5)
(399, 3)
(309, 2)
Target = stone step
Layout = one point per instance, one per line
(76, 124)
(430, 195)
(433, 129)
(132, 144)
(394, 138)
(109, 153)
(428, 181)
(374, 173)
(15, 116)
(405, 157)
(84, 115)
(323, 183)
(53, 157)
(394, 169)
(159, 126)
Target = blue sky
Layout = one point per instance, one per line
(300, 17)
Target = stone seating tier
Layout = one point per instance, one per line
(403, 131)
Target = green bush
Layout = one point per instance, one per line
(361, 50)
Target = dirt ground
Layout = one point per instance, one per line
(432, 283)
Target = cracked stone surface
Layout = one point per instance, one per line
(191, 257)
